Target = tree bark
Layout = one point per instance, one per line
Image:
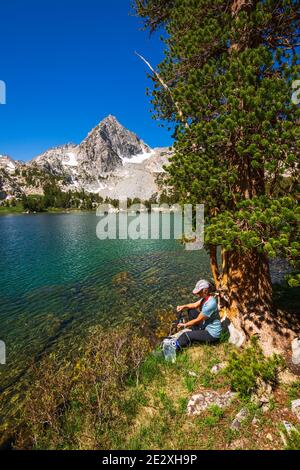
(247, 283)
(214, 265)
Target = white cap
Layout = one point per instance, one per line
(203, 284)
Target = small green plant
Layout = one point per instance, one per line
(230, 435)
(150, 368)
(224, 337)
(131, 405)
(294, 391)
(253, 408)
(183, 359)
(207, 378)
(209, 421)
(216, 411)
(247, 366)
(182, 405)
(215, 414)
(165, 400)
(190, 382)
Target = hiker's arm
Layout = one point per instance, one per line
(197, 320)
(188, 306)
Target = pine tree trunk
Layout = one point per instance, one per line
(214, 265)
(247, 283)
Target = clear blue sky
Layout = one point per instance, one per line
(67, 64)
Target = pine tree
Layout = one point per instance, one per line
(226, 81)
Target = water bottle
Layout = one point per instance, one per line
(169, 350)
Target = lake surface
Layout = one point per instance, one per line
(58, 278)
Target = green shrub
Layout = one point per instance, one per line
(216, 411)
(75, 404)
(247, 366)
(294, 391)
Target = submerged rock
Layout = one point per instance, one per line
(122, 279)
(203, 400)
(152, 281)
(122, 282)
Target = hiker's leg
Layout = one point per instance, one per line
(199, 336)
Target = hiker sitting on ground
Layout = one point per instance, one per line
(204, 323)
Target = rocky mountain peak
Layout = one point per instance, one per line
(110, 119)
(112, 161)
(122, 142)
(107, 145)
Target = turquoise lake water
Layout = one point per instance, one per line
(58, 278)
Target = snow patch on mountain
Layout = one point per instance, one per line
(72, 159)
(140, 157)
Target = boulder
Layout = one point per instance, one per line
(123, 280)
(203, 400)
(296, 351)
(296, 408)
